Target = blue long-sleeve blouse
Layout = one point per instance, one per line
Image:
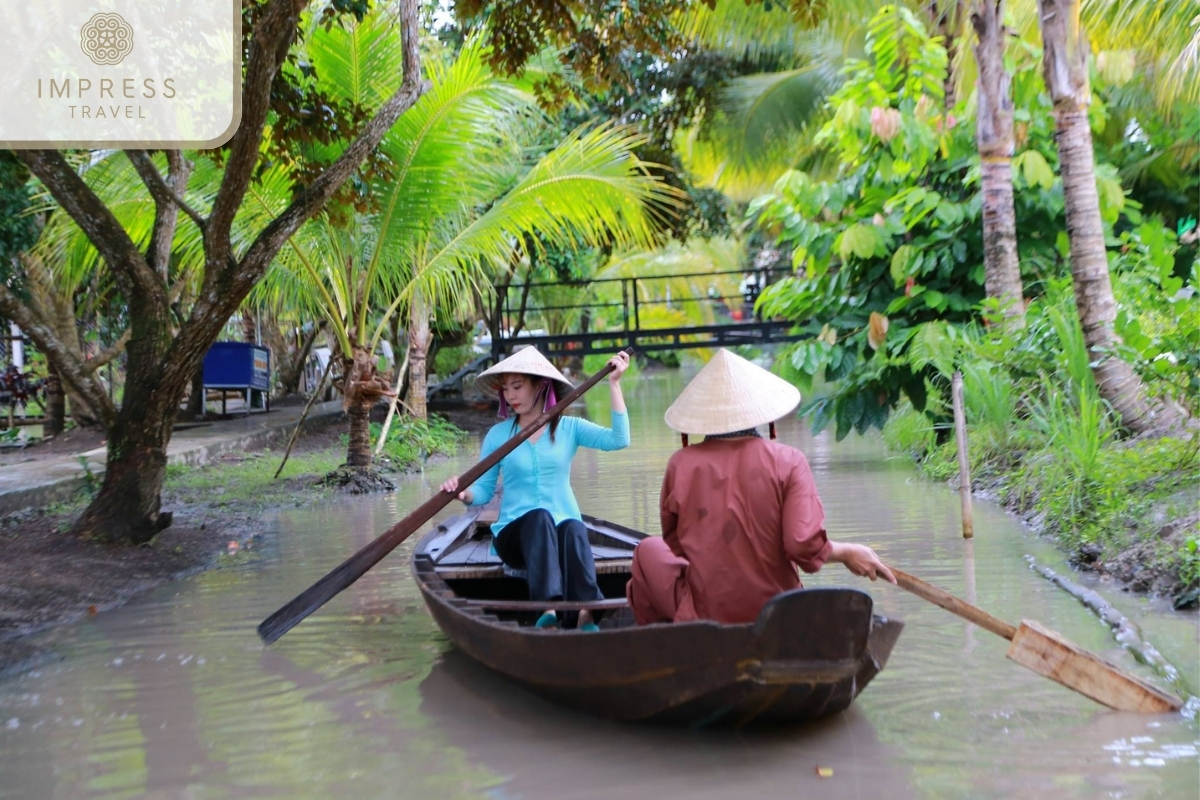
(538, 475)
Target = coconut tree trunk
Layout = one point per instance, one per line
(362, 386)
(358, 409)
(418, 348)
(1064, 66)
(56, 405)
(994, 138)
(358, 453)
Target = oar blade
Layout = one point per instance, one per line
(304, 604)
(1049, 654)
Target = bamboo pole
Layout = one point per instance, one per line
(387, 423)
(304, 415)
(964, 465)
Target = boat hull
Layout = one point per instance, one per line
(808, 655)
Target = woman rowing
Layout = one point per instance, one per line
(540, 529)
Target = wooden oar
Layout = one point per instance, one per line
(1049, 654)
(356, 566)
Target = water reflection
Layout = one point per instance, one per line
(548, 752)
(172, 696)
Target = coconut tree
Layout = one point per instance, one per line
(994, 138)
(1065, 69)
(458, 196)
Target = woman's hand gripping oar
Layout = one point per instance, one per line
(1049, 654)
(357, 565)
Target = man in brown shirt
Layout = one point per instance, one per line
(739, 513)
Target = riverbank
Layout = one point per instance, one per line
(49, 577)
(1131, 516)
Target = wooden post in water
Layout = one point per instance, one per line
(964, 465)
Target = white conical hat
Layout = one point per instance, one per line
(526, 361)
(731, 394)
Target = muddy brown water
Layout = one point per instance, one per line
(173, 696)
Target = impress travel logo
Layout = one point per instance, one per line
(107, 39)
(120, 73)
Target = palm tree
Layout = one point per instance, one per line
(994, 138)
(1065, 69)
(455, 198)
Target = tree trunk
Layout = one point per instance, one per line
(196, 398)
(291, 364)
(82, 414)
(358, 453)
(249, 328)
(1064, 66)
(127, 509)
(418, 347)
(358, 409)
(362, 386)
(994, 138)
(161, 364)
(56, 405)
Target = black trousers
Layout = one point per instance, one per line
(557, 559)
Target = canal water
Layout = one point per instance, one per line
(173, 696)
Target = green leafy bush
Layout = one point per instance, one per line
(450, 359)
(412, 441)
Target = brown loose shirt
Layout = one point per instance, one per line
(744, 513)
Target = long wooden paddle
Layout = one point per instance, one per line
(1049, 654)
(357, 565)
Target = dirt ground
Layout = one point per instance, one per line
(48, 576)
(1147, 566)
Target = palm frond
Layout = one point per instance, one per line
(360, 63)
(449, 152)
(1164, 34)
(589, 190)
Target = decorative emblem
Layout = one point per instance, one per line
(106, 39)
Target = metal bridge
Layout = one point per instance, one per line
(725, 323)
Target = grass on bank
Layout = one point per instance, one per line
(250, 478)
(1041, 437)
(1087, 489)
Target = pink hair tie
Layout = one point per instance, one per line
(551, 398)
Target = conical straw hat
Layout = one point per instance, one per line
(731, 394)
(526, 361)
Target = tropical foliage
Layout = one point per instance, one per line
(456, 206)
(889, 253)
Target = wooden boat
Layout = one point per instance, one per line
(808, 655)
